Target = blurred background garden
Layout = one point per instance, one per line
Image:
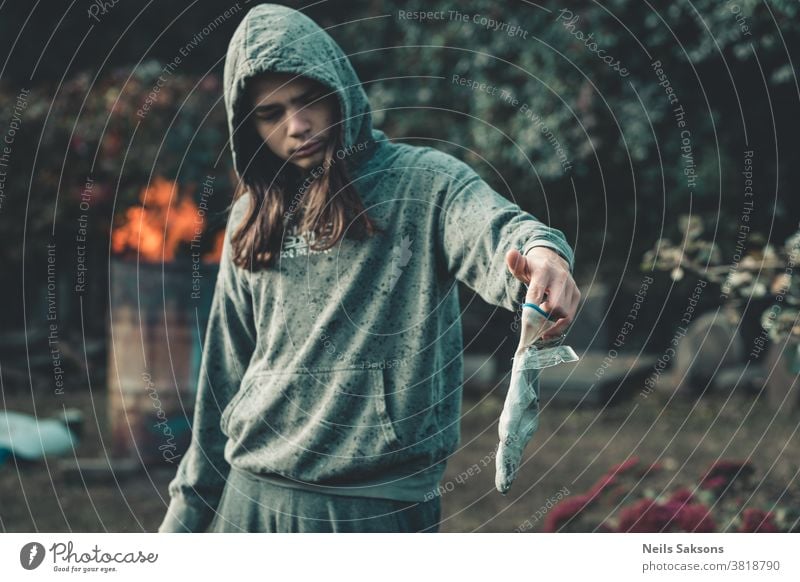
(671, 165)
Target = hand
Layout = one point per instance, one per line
(550, 285)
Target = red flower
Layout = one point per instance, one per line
(682, 495)
(758, 521)
(722, 473)
(647, 516)
(601, 485)
(565, 510)
(695, 518)
(625, 465)
(610, 478)
(717, 483)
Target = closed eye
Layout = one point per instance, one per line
(270, 115)
(274, 113)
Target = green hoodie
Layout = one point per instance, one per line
(341, 370)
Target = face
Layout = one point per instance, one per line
(293, 117)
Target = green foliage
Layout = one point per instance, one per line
(618, 186)
(96, 129)
(620, 133)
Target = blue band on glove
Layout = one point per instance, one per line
(537, 308)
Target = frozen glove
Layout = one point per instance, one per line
(520, 417)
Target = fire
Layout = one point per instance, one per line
(165, 220)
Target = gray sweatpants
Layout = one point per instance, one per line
(250, 504)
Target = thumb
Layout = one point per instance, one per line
(518, 265)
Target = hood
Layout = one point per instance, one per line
(274, 38)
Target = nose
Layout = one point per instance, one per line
(298, 125)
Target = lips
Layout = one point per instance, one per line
(308, 149)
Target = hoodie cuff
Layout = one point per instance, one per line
(552, 246)
(185, 518)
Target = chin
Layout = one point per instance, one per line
(310, 162)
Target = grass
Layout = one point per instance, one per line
(572, 449)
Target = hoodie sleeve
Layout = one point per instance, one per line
(478, 227)
(229, 343)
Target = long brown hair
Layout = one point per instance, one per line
(327, 205)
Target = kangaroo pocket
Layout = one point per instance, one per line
(322, 425)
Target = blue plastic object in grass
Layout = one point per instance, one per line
(31, 438)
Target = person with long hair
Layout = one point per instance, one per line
(330, 388)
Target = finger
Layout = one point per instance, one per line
(566, 315)
(573, 300)
(557, 299)
(518, 265)
(536, 291)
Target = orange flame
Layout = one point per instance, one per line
(214, 255)
(165, 220)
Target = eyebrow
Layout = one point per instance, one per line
(299, 99)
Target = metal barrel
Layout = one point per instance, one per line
(157, 320)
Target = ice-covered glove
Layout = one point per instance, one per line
(520, 417)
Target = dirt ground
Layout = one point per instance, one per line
(572, 449)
